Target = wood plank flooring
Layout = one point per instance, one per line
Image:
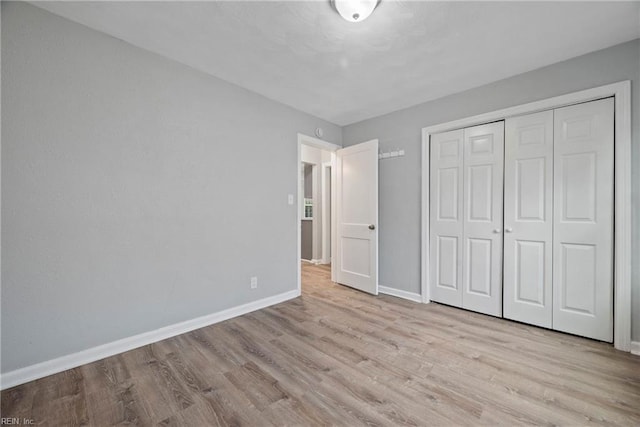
(336, 356)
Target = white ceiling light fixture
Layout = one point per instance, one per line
(355, 10)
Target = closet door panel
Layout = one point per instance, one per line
(583, 220)
(528, 218)
(445, 224)
(482, 213)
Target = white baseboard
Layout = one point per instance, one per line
(50, 367)
(411, 296)
(635, 348)
(316, 261)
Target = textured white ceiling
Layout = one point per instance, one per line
(304, 55)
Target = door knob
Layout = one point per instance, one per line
(508, 229)
(372, 227)
(496, 230)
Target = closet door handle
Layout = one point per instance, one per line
(496, 230)
(508, 229)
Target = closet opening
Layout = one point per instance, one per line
(526, 213)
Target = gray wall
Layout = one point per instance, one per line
(306, 233)
(400, 177)
(306, 246)
(308, 181)
(136, 192)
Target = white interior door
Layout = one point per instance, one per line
(583, 220)
(357, 216)
(445, 217)
(528, 218)
(482, 218)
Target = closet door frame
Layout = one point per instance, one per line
(621, 92)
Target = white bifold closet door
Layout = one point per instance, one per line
(583, 219)
(556, 180)
(482, 218)
(528, 218)
(558, 241)
(466, 191)
(445, 217)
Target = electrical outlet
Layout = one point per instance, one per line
(254, 282)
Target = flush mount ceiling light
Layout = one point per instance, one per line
(355, 10)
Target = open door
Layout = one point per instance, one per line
(357, 216)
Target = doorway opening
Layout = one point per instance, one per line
(342, 208)
(315, 222)
(316, 160)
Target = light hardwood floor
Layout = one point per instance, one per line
(336, 356)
